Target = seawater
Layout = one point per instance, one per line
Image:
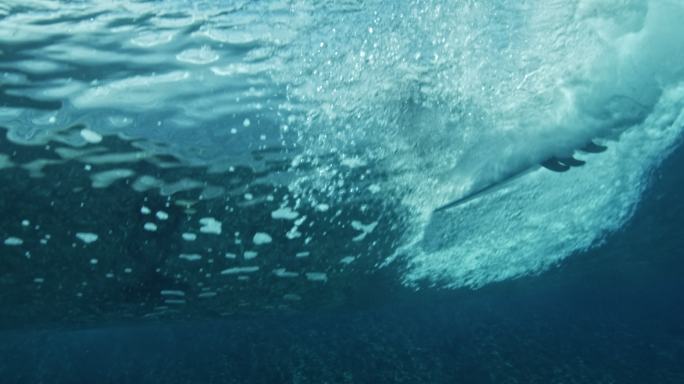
(245, 191)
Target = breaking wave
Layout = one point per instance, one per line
(450, 97)
(438, 97)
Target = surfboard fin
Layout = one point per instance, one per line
(553, 164)
(571, 161)
(592, 147)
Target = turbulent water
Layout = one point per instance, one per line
(165, 160)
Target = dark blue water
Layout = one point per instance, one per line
(614, 314)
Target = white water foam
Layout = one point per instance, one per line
(453, 97)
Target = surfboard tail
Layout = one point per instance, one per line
(555, 164)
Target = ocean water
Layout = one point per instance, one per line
(263, 191)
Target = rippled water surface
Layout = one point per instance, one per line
(341, 191)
